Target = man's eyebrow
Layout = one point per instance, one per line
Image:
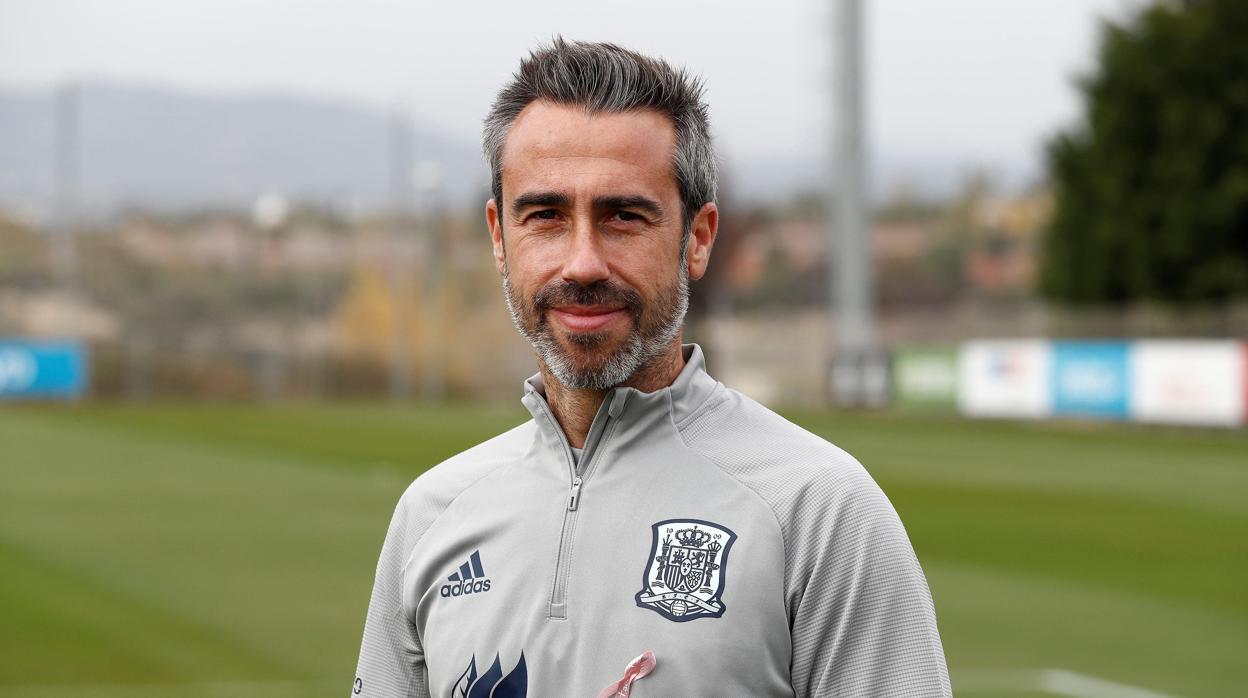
(540, 198)
(641, 203)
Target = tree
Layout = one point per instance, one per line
(1152, 190)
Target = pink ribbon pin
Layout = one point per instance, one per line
(638, 668)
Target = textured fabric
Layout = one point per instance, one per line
(861, 615)
(750, 556)
(391, 657)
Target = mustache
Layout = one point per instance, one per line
(562, 293)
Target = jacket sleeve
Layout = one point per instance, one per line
(860, 610)
(391, 660)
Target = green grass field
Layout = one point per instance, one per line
(212, 551)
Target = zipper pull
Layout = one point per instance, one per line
(576, 494)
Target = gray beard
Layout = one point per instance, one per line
(640, 347)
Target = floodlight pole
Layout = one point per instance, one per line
(437, 251)
(854, 360)
(65, 192)
(399, 175)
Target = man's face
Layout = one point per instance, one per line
(588, 240)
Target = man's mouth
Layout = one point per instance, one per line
(586, 318)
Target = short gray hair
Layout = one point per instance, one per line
(607, 78)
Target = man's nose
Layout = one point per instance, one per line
(586, 261)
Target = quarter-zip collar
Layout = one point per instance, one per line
(625, 416)
(631, 407)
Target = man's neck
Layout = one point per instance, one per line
(574, 408)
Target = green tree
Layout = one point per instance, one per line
(1152, 189)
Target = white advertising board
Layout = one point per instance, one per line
(1187, 382)
(1005, 378)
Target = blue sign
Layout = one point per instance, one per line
(42, 369)
(1090, 379)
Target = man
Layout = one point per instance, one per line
(649, 529)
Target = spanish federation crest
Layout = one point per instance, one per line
(685, 576)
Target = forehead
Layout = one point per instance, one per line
(567, 148)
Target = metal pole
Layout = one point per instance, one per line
(65, 187)
(433, 384)
(854, 360)
(400, 175)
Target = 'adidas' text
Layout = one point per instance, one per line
(468, 580)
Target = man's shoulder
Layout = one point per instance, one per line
(779, 460)
(441, 484)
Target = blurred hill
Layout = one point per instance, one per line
(158, 148)
(169, 150)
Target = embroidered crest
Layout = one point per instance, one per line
(684, 579)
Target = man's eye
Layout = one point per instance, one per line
(627, 216)
(546, 214)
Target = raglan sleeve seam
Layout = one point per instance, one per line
(438, 517)
(449, 504)
(392, 650)
(704, 408)
(870, 628)
(705, 413)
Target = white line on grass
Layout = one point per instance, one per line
(1060, 682)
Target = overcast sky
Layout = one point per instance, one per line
(972, 82)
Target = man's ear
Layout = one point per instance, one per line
(702, 234)
(493, 219)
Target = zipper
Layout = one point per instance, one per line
(599, 431)
(576, 493)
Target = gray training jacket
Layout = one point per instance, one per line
(752, 558)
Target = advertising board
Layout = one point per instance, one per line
(1090, 379)
(42, 369)
(1005, 378)
(1188, 382)
(925, 376)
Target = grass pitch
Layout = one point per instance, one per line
(217, 551)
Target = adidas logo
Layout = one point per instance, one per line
(470, 579)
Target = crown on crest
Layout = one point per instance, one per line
(692, 537)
